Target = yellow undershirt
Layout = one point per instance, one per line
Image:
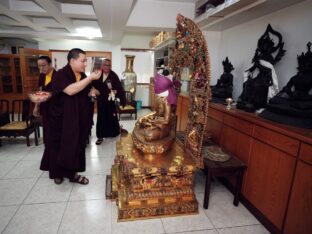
(78, 76)
(48, 78)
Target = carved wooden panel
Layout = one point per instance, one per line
(268, 182)
(185, 106)
(191, 52)
(299, 214)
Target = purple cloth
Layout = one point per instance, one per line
(162, 84)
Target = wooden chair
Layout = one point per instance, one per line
(24, 125)
(130, 107)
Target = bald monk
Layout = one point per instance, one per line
(70, 120)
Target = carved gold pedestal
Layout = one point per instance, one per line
(150, 186)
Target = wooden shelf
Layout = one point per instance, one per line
(163, 45)
(235, 12)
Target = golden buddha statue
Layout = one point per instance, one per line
(152, 131)
(157, 124)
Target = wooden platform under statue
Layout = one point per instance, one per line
(150, 185)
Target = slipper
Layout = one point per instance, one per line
(80, 180)
(58, 180)
(99, 141)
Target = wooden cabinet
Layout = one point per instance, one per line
(29, 69)
(19, 73)
(277, 186)
(10, 77)
(6, 74)
(268, 181)
(299, 214)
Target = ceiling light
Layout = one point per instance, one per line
(88, 32)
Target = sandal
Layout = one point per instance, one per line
(80, 180)
(99, 141)
(58, 180)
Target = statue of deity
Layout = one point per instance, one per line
(224, 87)
(293, 104)
(260, 80)
(153, 130)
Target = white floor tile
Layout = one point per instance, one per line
(254, 229)
(35, 154)
(38, 218)
(13, 192)
(223, 213)
(94, 190)
(25, 169)
(46, 191)
(187, 223)
(10, 156)
(5, 167)
(98, 166)
(6, 213)
(86, 217)
(200, 232)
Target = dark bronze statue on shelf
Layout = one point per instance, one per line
(261, 80)
(154, 133)
(293, 104)
(224, 87)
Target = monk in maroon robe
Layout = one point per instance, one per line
(109, 89)
(70, 120)
(47, 73)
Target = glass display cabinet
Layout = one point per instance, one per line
(6, 74)
(29, 69)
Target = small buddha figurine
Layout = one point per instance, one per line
(224, 87)
(293, 104)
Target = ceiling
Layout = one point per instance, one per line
(37, 20)
(110, 20)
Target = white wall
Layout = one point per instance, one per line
(136, 40)
(130, 40)
(88, 45)
(6, 43)
(213, 41)
(239, 43)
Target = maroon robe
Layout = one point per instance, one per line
(107, 124)
(70, 121)
(44, 107)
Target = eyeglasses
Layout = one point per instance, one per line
(106, 65)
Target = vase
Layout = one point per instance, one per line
(129, 78)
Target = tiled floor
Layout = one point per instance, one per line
(31, 203)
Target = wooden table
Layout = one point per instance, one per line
(231, 167)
